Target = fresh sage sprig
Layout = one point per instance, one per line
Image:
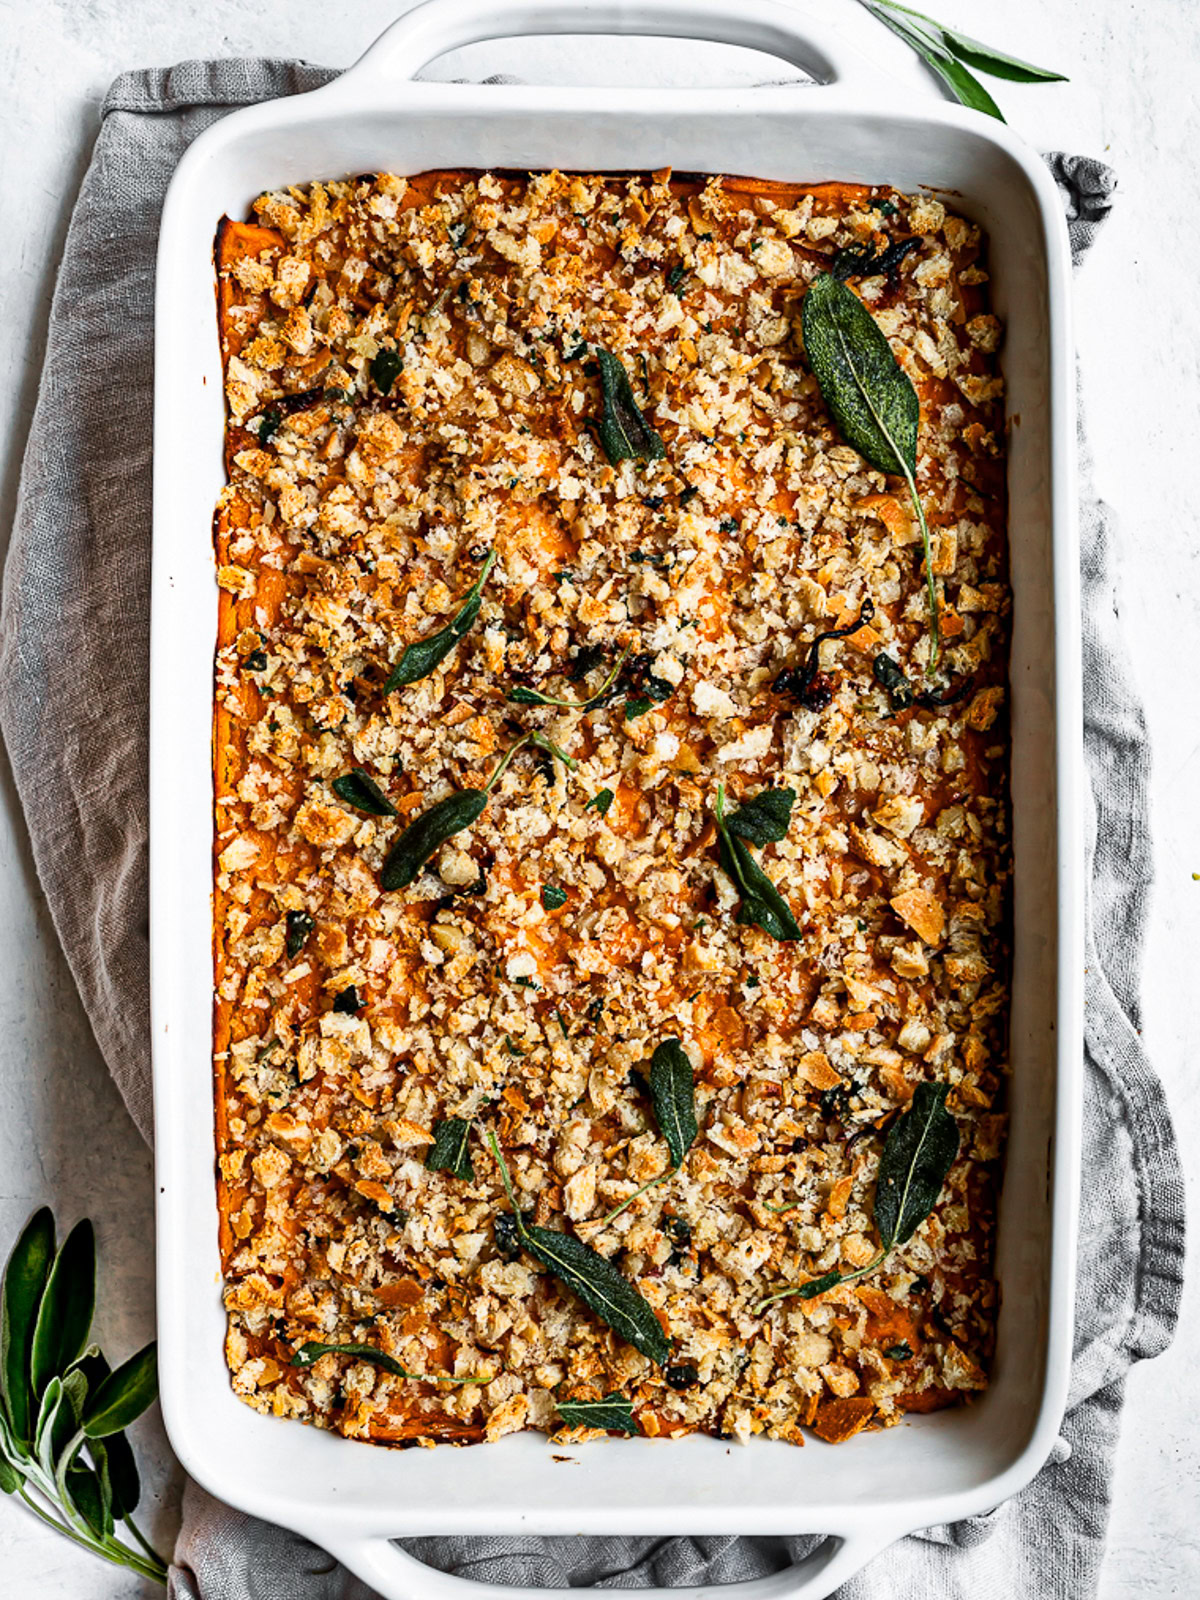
(614, 1413)
(449, 1151)
(950, 53)
(673, 1093)
(457, 811)
(870, 397)
(312, 1352)
(764, 820)
(359, 789)
(522, 696)
(624, 433)
(586, 1272)
(63, 1410)
(421, 657)
(918, 1153)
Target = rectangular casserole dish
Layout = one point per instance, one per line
(876, 1487)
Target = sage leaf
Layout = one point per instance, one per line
(65, 1313)
(600, 802)
(386, 367)
(85, 1491)
(672, 1089)
(870, 398)
(553, 897)
(624, 433)
(585, 1271)
(807, 685)
(614, 1413)
(10, 1479)
(599, 1285)
(122, 1473)
(123, 1395)
(428, 833)
(929, 41)
(765, 818)
(449, 1152)
(986, 58)
(299, 926)
(762, 904)
(918, 1153)
(359, 789)
(311, 1352)
(869, 395)
(868, 263)
(888, 675)
(24, 1283)
(420, 658)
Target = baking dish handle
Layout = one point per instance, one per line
(398, 1576)
(795, 35)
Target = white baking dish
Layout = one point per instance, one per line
(348, 1496)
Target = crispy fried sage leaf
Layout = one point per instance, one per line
(449, 1151)
(672, 1088)
(918, 1153)
(870, 398)
(762, 904)
(553, 897)
(386, 367)
(809, 685)
(359, 789)
(428, 833)
(600, 802)
(65, 1314)
(614, 1413)
(889, 676)
(311, 1352)
(585, 1271)
(765, 818)
(871, 263)
(599, 1285)
(299, 926)
(24, 1283)
(625, 435)
(421, 657)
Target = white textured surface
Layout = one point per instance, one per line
(64, 1136)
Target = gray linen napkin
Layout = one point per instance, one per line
(73, 709)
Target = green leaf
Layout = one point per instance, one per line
(672, 1089)
(65, 1314)
(919, 1152)
(765, 819)
(810, 1291)
(984, 57)
(596, 1281)
(299, 926)
(428, 833)
(601, 802)
(24, 1283)
(523, 696)
(386, 367)
(614, 1413)
(122, 1473)
(553, 897)
(762, 904)
(927, 39)
(311, 1352)
(870, 397)
(10, 1479)
(888, 675)
(868, 394)
(449, 1152)
(359, 789)
(420, 658)
(625, 435)
(86, 1491)
(43, 1438)
(599, 1285)
(123, 1395)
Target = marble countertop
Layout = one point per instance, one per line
(64, 1135)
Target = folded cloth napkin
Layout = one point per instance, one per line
(73, 708)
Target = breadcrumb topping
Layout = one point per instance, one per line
(412, 384)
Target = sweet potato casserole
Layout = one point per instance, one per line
(611, 810)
